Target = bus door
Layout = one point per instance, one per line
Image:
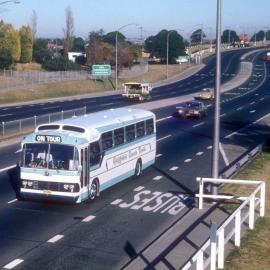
(85, 177)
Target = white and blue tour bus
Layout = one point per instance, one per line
(75, 159)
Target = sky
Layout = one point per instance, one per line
(152, 15)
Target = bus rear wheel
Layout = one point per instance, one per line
(93, 190)
(138, 168)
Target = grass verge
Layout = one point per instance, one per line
(255, 247)
(80, 87)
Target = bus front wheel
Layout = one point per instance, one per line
(138, 168)
(93, 190)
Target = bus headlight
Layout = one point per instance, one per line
(69, 187)
(27, 184)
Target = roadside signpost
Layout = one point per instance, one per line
(101, 70)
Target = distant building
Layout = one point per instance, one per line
(73, 55)
(55, 47)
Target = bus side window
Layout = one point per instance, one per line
(149, 126)
(107, 140)
(95, 154)
(140, 129)
(118, 136)
(130, 133)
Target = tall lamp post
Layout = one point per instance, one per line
(215, 153)
(116, 52)
(167, 55)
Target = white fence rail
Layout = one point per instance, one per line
(232, 226)
(21, 125)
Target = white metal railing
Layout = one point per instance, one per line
(218, 239)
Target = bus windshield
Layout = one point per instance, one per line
(50, 156)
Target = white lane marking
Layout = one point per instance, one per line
(225, 158)
(8, 114)
(222, 114)
(251, 103)
(174, 168)
(12, 264)
(117, 201)
(239, 109)
(138, 188)
(209, 147)
(262, 98)
(18, 151)
(18, 107)
(168, 136)
(162, 119)
(157, 95)
(247, 126)
(158, 155)
(199, 153)
(55, 238)
(53, 107)
(12, 201)
(188, 160)
(4, 109)
(157, 178)
(253, 111)
(106, 104)
(88, 219)
(197, 125)
(8, 168)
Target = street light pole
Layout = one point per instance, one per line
(215, 152)
(167, 58)
(116, 52)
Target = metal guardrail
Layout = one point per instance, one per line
(215, 245)
(22, 125)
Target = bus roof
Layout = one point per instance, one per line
(90, 126)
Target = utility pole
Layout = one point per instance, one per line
(216, 137)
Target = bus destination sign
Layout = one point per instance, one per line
(48, 139)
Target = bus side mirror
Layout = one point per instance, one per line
(80, 168)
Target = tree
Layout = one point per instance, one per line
(26, 38)
(157, 45)
(68, 31)
(78, 45)
(110, 38)
(260, 35)
(197, 36)
(41, 53)
(34, 24)
(94, 50)
(10, 42)
(229, 36)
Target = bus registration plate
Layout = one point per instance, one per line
(47, 192)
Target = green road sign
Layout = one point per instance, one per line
(101, 70)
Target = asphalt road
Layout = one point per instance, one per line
(108, 232)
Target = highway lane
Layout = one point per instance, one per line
(80, 246)
(205, 78)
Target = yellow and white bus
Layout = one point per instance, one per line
(75, 159)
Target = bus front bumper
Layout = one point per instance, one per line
(47, 195)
